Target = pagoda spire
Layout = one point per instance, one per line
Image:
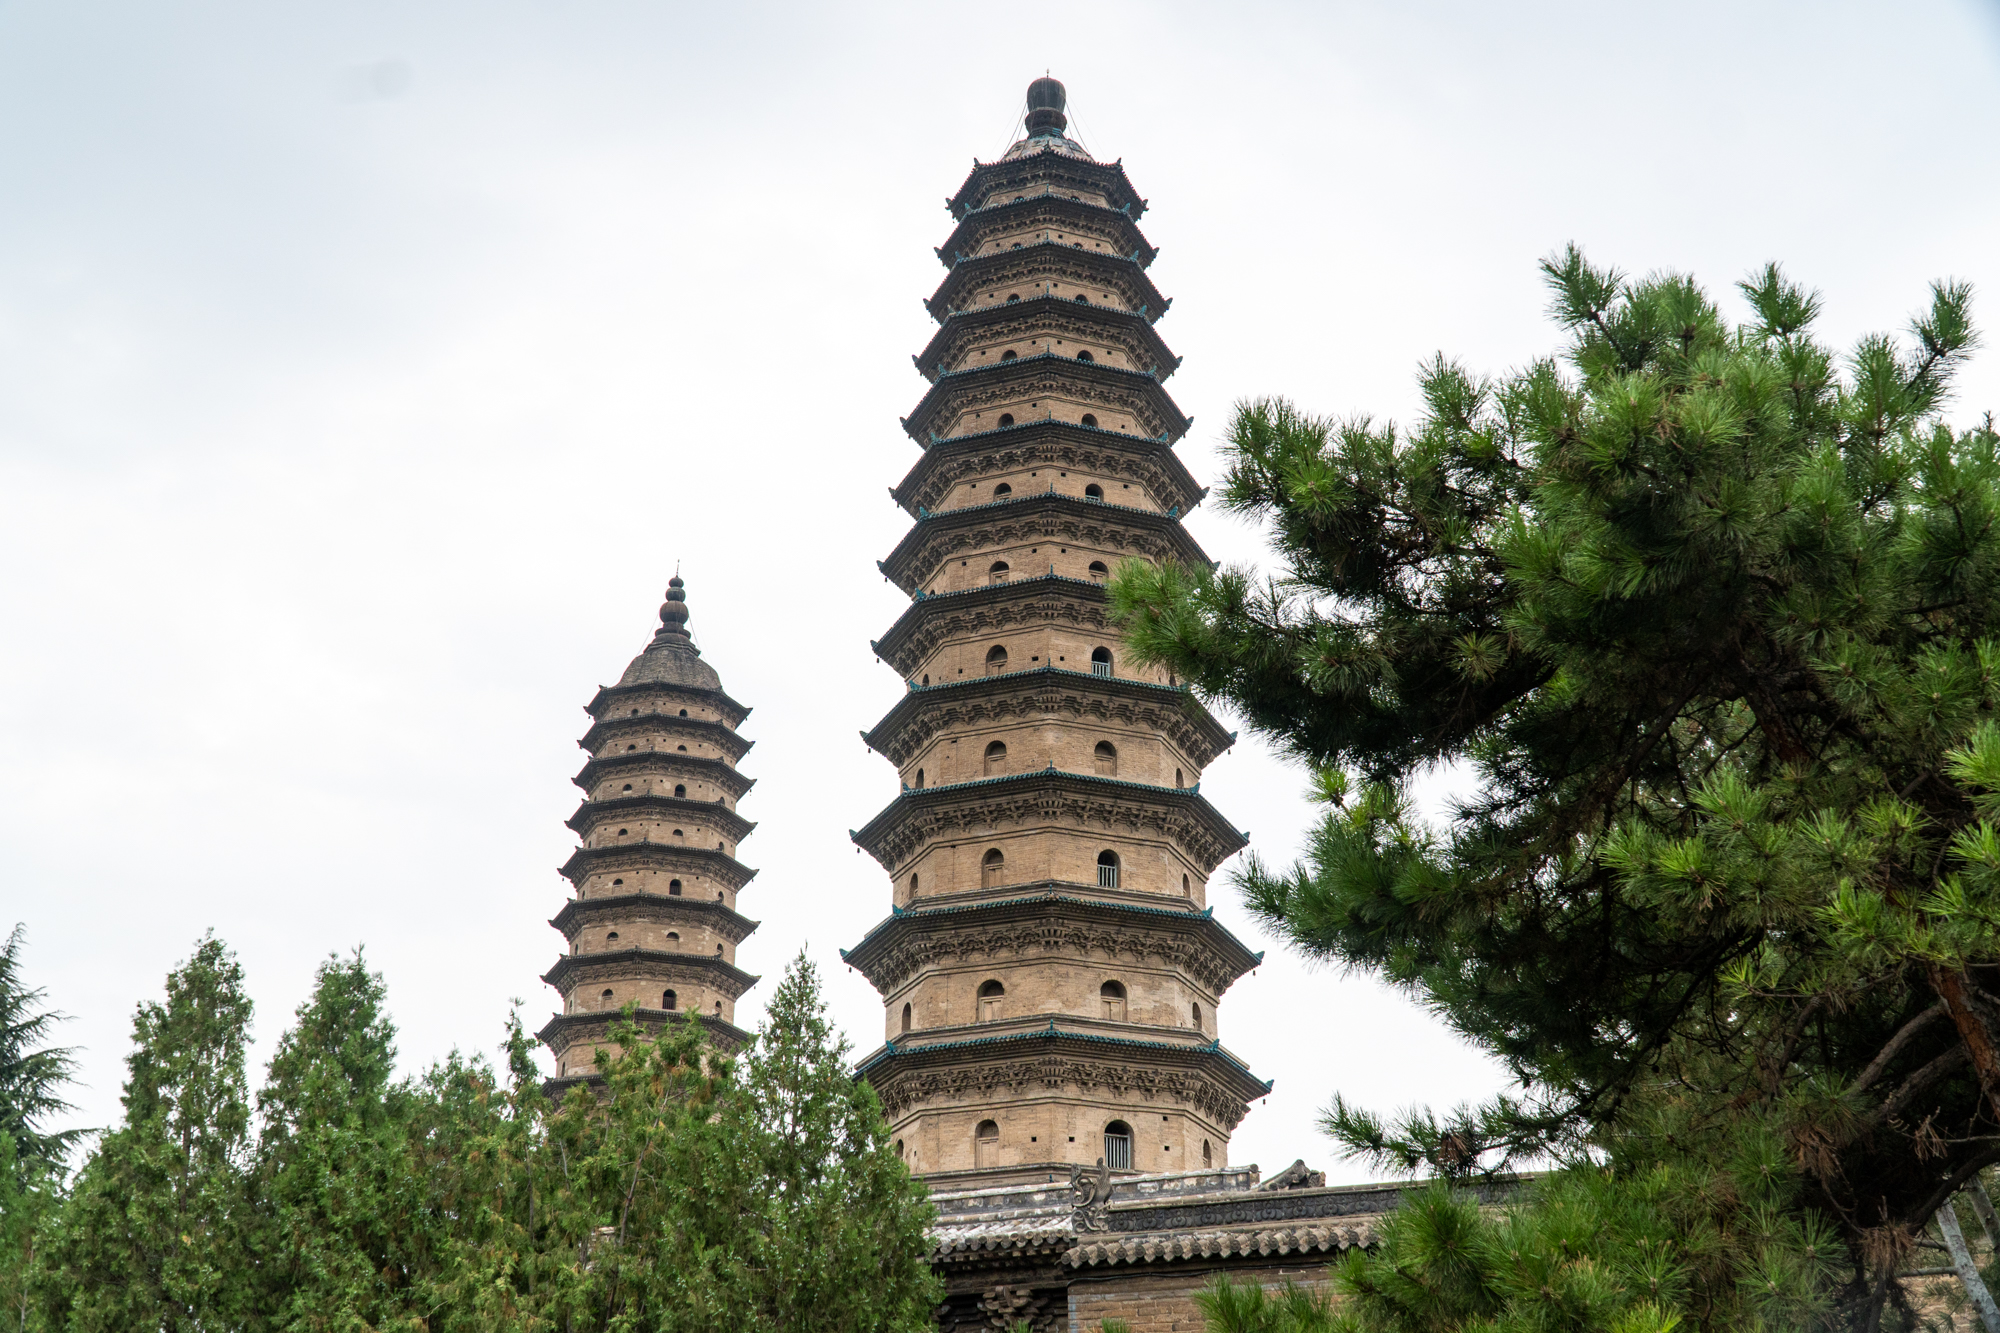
(1049, 971)
(653, 920)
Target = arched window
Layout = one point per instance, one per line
(680, 789)
(679, 834)
(612, 936)
(1093, 492)
(606, 995)
(684, 712)
(1088, 420)
(1012, 297)
(1118, 1146)
(986, 1144)
(1100, 661)
(674, 887)
(718, 1008)
(1207, 1155)
(1084, 356)
(913, 883)
(998, 574)
(1081, 299)
(1177, 779)
(1187, 889)
(1099, 570)
(906, 1018)
(669, 1001)
(996, 659)
(991, 993)
(1009, 354)
(1197, 1015)
(899, 1150)
(617, 881)
(996, 758)
(1112, 995)
(718, 951)
(1003, 489)
(1107, 869)
(674, 938)
(920, 780)
(1006, 418)
(1105, 756)
(991, 867)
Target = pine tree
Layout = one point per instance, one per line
(32, 1073)
(1712, 613)
(155, 1232)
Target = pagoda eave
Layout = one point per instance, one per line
(1105, 178)
(1056, 207)
(611, 694)
(1042, 797)
(653, 964)
(581, 913)
(592, 813)
(939, 535)
(1051, 442)
(723, 775)
(1053, 314)
(1051, 375)
(895, 952)
(573, 1028)
(1086, 599)
(719, 865)
(610, 730)
(1051, 259)
(1041, 692)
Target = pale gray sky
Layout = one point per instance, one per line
(365, 368)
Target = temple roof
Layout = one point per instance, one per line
(671, 658)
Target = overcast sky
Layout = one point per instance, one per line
(366, 368)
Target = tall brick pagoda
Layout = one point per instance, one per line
(1050, 970)
(654, 920)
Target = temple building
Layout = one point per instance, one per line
(1050, 971)
(653, 922)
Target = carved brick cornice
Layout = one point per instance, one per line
(1050, 443)
(610, 697)
(668, 764)
(1049, 925)
(1048, 799)
(1044, 692)
(1046, 208)
(613, 734)
(1040, 599)
(1051, 316)
(1048, 169)
(713, 813)
(1204, 1078)
(1047, 375)
(580, 914)
(566, 1030)
(1038, 262)
(945, 534)
(720, 867)
(636, 964)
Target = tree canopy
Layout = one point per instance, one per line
(1709, 611)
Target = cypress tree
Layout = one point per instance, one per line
(32, 1073)
(1711, 613)
(157, 1233)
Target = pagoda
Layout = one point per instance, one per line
(1050, 970)
(653, 922)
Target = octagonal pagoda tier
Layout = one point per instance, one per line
(653, 923)
(1049, 972)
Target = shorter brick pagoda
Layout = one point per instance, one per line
(654, 920)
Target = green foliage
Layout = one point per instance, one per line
(32, 1073)
(1713, 613)
(689, 1190)
(155, 1231)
